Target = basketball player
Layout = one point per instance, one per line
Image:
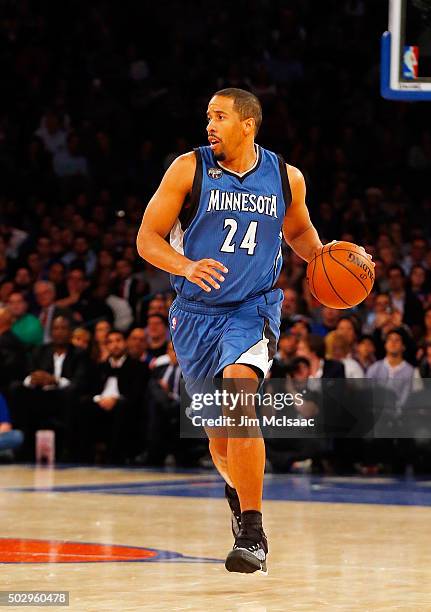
(226, 207)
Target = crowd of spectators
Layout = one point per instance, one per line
(98, 104)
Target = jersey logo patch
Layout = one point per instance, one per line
(215, 173)
(174, 322)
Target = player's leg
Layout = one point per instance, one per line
(218, 450)
(246, 455)
(246, 464)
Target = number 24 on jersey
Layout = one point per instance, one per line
(248, 242)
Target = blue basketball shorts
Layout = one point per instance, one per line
(207, 338)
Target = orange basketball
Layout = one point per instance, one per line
(340, 275)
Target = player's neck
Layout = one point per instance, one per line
(242, 161)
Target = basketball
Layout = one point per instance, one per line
(340, 275)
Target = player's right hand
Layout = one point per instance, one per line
(205, 270)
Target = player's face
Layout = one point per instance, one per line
(226, 131)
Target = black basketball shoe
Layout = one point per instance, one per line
(251, 547)
(233, 501)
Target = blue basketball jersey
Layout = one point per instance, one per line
(237, 220)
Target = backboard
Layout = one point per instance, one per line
(406, 51)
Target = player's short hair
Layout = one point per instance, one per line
(245, 103)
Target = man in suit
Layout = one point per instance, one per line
(81, 300)
(112, 412)
(47, 310)
(47, 398)
(126, 285)
(338, 402)
(159, 429)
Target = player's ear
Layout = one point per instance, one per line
(249, 126)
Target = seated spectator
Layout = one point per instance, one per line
(384, 324)
(380, 309)
(99, 349)
(340, 402)
(51, 133)
(6, 289)
(81, 255)
(313, 349)
(301, 327)
(425, 364)
(287, 346)
(418, 284)
(349, 328)
(44, 250)
(10, 439)
(159, 306)
(12, 356)
(155, 280)
(157, 334)
(416, 257)
(34, 264)
(160, 427)
(105, 261)
(328, 322)
(289, 308)
(23, 282)
(121, 310)
(301, 452)
(403, 299)
(337, 347)
(426, 337)
(395, 369)
(365, 352)
(296, 272)
(26, 326)
(68, 162)
(126, 285)
(111, 414)
(47, 310)
(84, 306)
(48, 396)
(137, 344)
(81, 338)
(15, 239)
(57, 275)
(146, 307)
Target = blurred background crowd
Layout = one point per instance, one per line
(97, 107)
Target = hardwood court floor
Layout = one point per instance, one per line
(164, 537)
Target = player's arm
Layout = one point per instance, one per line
(298, 231)
(159, 218)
